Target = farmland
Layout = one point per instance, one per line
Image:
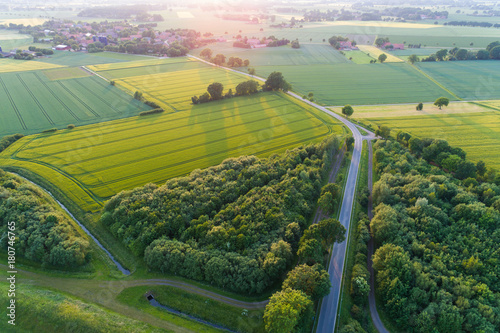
(477, 132)
(34, 103)
(66, 58)
(376, 52)
(104, 159)
(11, 65)
(169, 82)
(360, 84)
(470, 80)
(307, 54)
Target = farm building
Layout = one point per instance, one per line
(63, 47)
(347, 46)
(393, 46)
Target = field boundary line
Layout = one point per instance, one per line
(78, 99)
(55, 96)
(35, 99)
(436, 82)
(94, 73)
(16, 110)
(99, 97)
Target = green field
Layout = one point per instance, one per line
(12, 65)
(360, 84)
(307, 54)
(67, 58)
(90, 164)
(65, 73)
(477, 133)
(358, 57)
(32, 102)
(470, 80)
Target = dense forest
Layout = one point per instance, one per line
(43, 234)
(438, 262)
(236, 225)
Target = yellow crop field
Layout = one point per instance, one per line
(12, 65)
(92, 163)
(376, 52)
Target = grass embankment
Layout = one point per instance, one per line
(215, 312)
(43, 310)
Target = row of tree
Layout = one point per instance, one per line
(42, 233)
(215, 91)
(492, 51)
(220, 59)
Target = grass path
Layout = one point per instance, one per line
(436, 82)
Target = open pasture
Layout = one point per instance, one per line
(360, 84)
(65, 73)
(358, 57)
(106, 158)
(477, 133)
(33, 103)
(470, 80)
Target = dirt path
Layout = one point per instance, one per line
(371, 297)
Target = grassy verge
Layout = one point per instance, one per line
(44, 310)
(201, 307)
(346, 300)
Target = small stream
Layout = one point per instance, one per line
(155, 303)
(120, 267)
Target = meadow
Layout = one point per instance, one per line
(360, 84)
(34, 103)
(103, 159)
(67, 58)
(12, 65)
(470, 80)
(478, 133)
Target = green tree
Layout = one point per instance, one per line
(246, 62)
(441, 101)
(251, 71)
(206, 53)
(382, 57)
(288, 311)
(413, 59)
(314, 281)
(492, 45)
(347, 110)
(441, 54)
(310, 251)
(420, 107)
(495, 53)
(482, 55)
(461, 54)
(327, 203)
(381, 41)
(215, 90)
(276, 81)
(383, 131)
(219, 59)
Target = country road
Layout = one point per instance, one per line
(330, 303)
(329, 307)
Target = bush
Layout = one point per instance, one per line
(112, 82)
(148, 112)
(71, 126)
(8, 140)
(50, 130)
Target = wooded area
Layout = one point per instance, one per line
(236, 225)
(437, 267)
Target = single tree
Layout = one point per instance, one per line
(413, 59)
(441, 101)
(246, 62)
(347, 110)
(276, 81)
(495, 53)
(219, 59)
(382, 57)
(215, 90)
(312, 280)
(441, 54)
(420, 107)
(251, 71)
(288, 311)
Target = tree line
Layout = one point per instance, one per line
(215, 91)
(437, 265)
(236, 225)
(43, 234)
